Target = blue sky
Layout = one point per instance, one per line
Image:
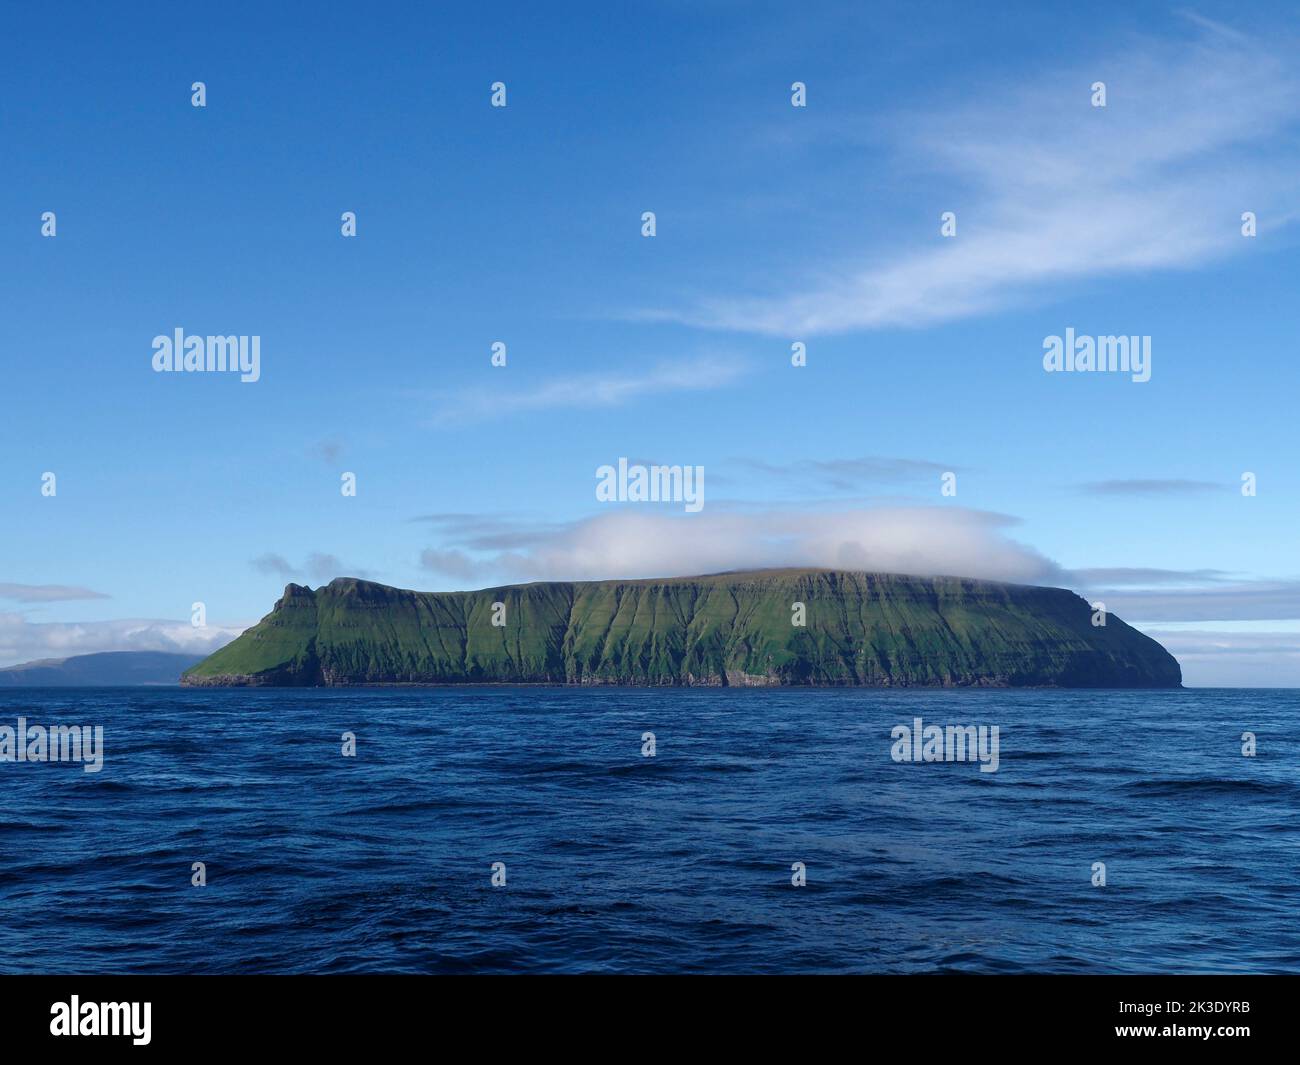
(775, 224)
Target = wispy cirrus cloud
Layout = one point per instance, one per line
(1189, 596)
(318, 566)
(1145, 576)
(1214, 601)
(491, 532)
(587, 391)
(850, 473)
(1171, 486)
(47, 593)
(1195, 132)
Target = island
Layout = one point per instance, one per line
(106, 669)
(742, 629)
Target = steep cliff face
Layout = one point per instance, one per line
(726, 629)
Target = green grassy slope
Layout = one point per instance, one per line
(734, 629)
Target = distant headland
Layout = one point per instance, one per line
(101, 669)
(744, 629)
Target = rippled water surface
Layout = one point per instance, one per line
(680, 862)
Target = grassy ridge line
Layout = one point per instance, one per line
(862, 628)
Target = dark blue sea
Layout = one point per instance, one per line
(680, 862)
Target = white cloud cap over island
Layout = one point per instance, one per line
(920, 540)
